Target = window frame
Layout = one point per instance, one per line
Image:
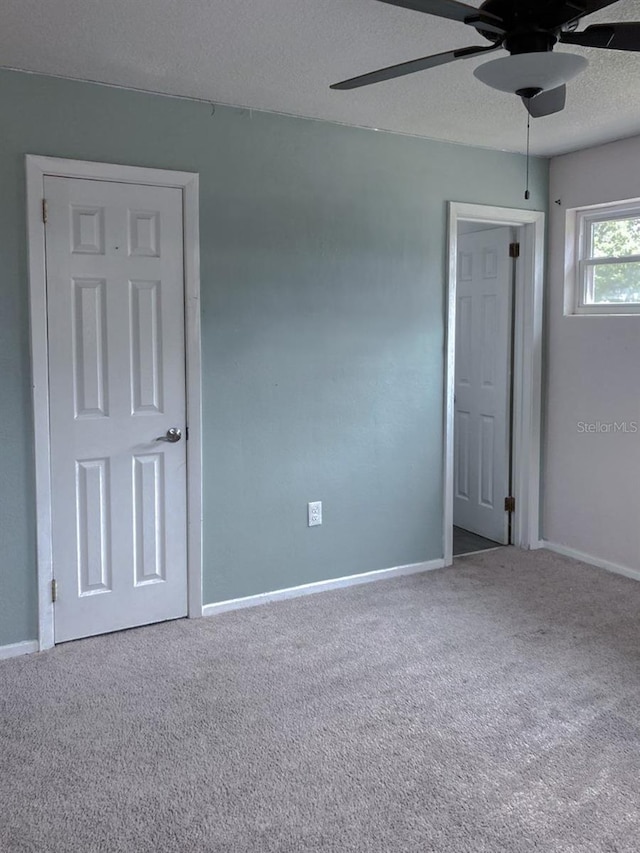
(585, 218)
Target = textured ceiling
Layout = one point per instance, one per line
(281, 55)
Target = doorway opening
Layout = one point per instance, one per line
(483, 396)
(493, 379)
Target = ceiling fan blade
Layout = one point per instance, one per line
(451, 9)
(625, 36)
(590, 6)
(556, 14)
(454, 11)
(412, 66)
(546, 103)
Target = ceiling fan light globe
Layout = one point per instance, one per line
(542, 71)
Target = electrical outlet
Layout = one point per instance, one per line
(314, 513)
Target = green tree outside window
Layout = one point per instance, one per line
(620, 282)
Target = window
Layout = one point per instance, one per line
(608, 259)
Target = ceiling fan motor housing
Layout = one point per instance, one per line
(526, 30)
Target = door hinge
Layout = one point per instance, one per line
(510, 504)
(514, 250)
(54, 591)
(45, 211)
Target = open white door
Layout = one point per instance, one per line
(115, 313)
(482, 383)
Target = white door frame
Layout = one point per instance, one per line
(37, 168)
(527, 367)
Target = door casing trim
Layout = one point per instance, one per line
(529, 294)
(37, 167)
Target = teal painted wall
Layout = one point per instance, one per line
(323, 270)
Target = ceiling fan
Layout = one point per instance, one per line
(528, 30)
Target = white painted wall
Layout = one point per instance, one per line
(591, 483)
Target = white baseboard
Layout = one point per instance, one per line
(16, 649)
(616, 568)
(320, 586)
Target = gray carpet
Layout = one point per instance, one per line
(494, 706)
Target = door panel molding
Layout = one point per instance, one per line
(37, 168)
(527, 368)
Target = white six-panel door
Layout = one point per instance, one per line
(482, 373)
(115, 307)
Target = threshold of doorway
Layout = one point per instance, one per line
(466, 542)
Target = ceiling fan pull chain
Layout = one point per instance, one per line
(527, 194)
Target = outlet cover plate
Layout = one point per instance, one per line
(314, 513)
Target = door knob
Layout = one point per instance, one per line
(172, 435)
